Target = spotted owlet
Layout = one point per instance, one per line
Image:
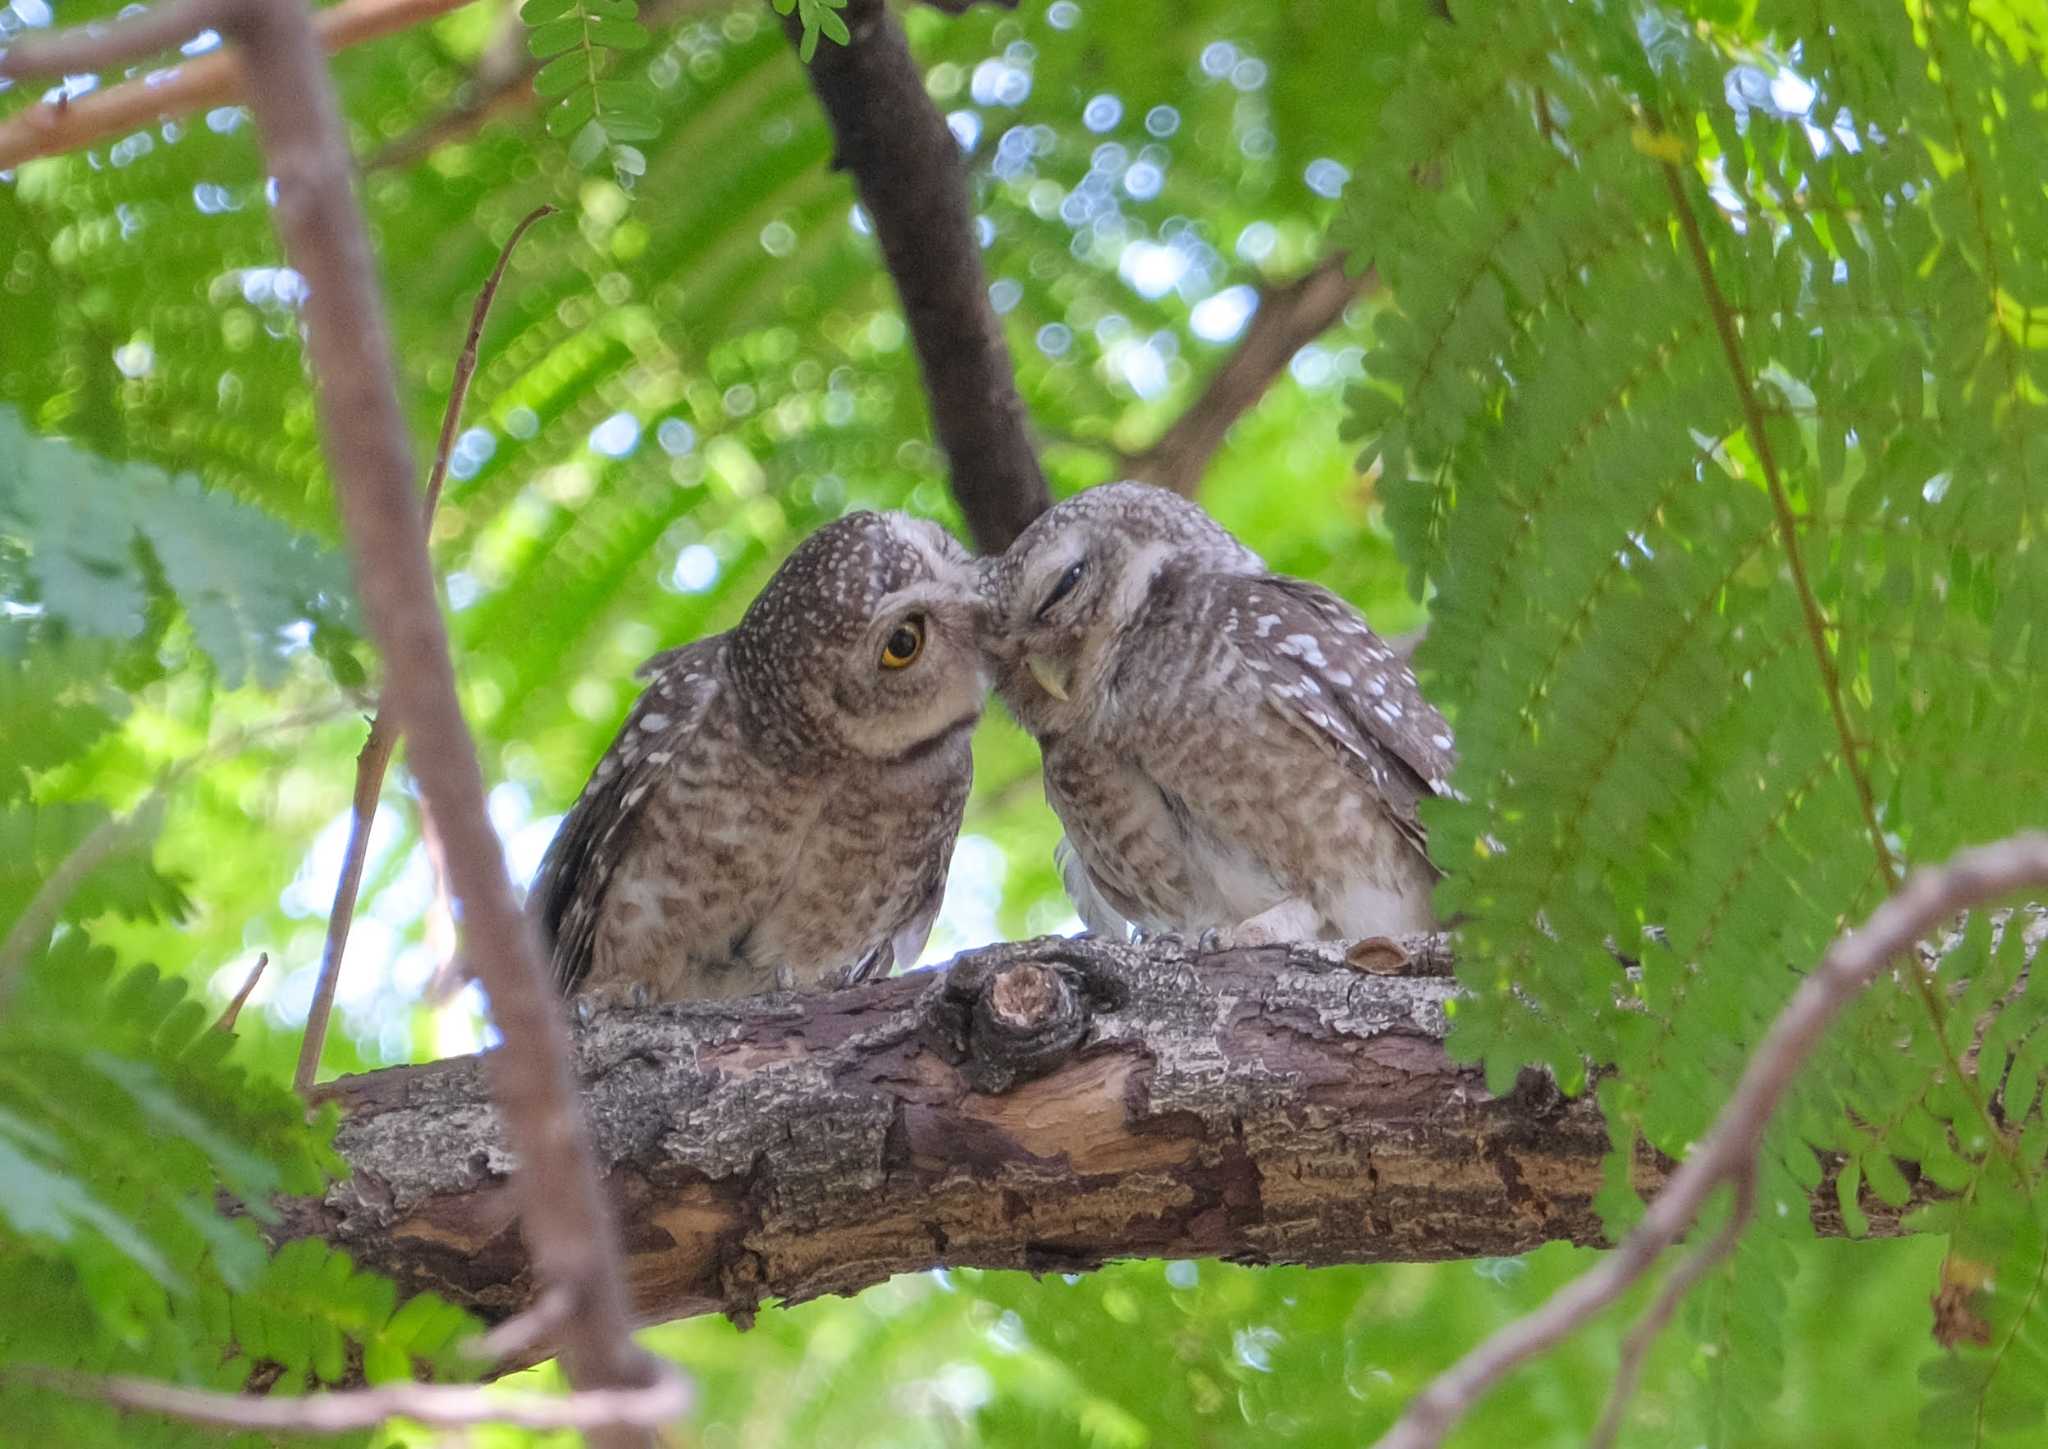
(1234, 754)
(780, 805)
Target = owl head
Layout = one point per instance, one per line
(868, 641)
(1067, 591)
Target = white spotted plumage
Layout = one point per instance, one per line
(1229, 750)
(779, 808)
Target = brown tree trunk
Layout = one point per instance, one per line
(1049, 1105)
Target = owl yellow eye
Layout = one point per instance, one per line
(905, 644)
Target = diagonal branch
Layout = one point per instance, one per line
(1289, 317)
(214, 79)
(499, 84)
(1816, 622)
(375, 757)
(1788, 525)
(440, 1405)
(1728, 1155)
(566, 1222)
(30, 931)
(911, 179)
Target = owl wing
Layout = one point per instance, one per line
(906, 945)
(1094, 909)
(567, 899)
(1330, 675)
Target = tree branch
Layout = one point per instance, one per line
(375, 757)
(1289, 317)
(1050, 1105)
(911, 179)
(441, 1405)
(320, 224)
(213, 79)
(1729, 1153)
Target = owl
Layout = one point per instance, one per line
(1235, 756)
(780, 806)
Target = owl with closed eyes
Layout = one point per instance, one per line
(780, 806)
(1234, 754)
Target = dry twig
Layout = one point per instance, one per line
(1728, 1155)
(31, 929)
(375, 757)
(440, 1405)
(564, 1217)
(1289, 317)
(233, 1011)
(213, 79)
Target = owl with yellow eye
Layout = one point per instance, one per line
(780, 806)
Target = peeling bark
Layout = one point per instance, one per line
(1049, 1105)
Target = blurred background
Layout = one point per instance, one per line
(696, 362)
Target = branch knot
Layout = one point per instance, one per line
(1003, 1019)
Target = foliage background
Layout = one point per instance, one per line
(701, 359)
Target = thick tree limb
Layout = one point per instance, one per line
(213, 79)
(910, 177)
(1729, 1153)
(1289, 317)
(1050, 1105)
(320, 225)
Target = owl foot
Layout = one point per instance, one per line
(1293, 919)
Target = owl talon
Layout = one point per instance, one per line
(1211, 941)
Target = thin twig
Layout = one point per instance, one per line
(1290, 315)
(96, 47)
(1926, 900)
(346, 1411)
(1781, 504)
(523, 1332)
(1816, 624)
(563, 1214)
(1635, 1349)
(31, 929)
(213, 79)
(227, 1019)
(375, 757)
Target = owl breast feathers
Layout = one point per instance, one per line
(780, 806)
(1229, 750)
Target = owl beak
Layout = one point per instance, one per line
(1051, 677)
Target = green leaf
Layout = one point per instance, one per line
(554, 37)
(618, 34)
(562, 74)
(572, 113)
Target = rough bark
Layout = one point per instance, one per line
(1049, 1105)
(911, 179)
